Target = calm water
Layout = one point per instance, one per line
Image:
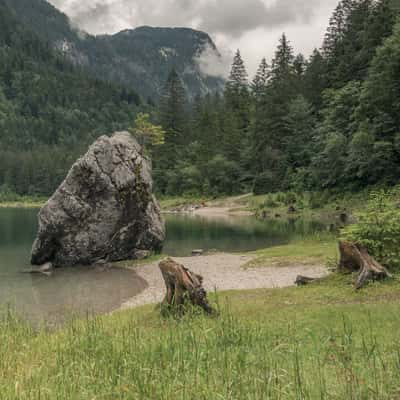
(82, 290)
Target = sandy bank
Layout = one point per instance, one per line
(222, 272)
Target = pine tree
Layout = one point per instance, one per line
(379, 26)
(315, 79)
(172, 108)
(337, 28)
(172, 119)
(299, 65)
(259, 84)
(281, 90)
(282, 64)
(236, 89)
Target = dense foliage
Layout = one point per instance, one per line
(138, 58)
(378, 228)
(49, 111)
(328, 122)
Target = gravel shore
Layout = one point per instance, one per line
(222, 272)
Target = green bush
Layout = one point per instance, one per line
(223, 176)
(270, 202)
(290, 199)
(7, 194)
(318, 199)
(378, 229)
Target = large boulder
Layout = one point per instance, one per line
(104, 210)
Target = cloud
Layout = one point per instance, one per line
(228, 17)
(254, 26)
(214, 63)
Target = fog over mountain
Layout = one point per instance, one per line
(253, 25)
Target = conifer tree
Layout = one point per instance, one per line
(337, 28)
(172, 119)
(172, 108)
(282, 64)
(315, 79)
(260, 81)
(236, 88)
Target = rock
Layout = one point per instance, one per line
(142, 254)
(45, 269)
(104, 210)
(197, 252)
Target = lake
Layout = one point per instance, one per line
(82, 290)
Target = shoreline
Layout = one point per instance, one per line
(21, 204)
(221, 272)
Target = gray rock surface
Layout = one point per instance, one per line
(104, 210)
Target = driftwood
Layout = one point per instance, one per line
(305, 280)
(354, 257)
(182, 286)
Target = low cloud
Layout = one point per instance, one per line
(214, 63)
(254, 26)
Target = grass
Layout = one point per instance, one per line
(313, 250)
(171, 203)
(325, 341)
(23, 203)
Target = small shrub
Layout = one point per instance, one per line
(315, 201)
(7, 194)
(290, 199)
(318, 199)
(378, 229)
(270, 202)
(280, 197)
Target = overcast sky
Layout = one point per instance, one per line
(254, 26)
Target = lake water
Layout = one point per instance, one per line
(82, 290)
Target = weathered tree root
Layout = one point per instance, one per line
(305, 280)
(182, 286)
(354, 257)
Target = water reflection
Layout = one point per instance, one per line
(79, 290)
(232, 234)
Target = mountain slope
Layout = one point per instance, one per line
(139, 58)
(49, 110)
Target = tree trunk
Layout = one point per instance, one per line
(354, 257)
(183, 285)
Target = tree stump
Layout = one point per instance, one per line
(182, 286)
(354, 257)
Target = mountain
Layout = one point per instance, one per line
(49, 110)
(139, 58)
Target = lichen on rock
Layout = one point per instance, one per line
(104, 210)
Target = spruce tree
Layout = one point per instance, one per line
(259, 84)
(282, 64)
(315, 79)
(172, 118)
(172, 108)
(237, 111)
(236, 88)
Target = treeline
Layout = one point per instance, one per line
(330, 121)
(49, 110)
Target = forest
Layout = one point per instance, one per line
(49, 111)
(329, 122)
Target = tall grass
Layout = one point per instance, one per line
(255, 349)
